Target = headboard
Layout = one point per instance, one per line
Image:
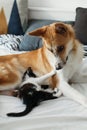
(54, 9)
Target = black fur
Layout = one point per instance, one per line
(29, 72)
(31, 98)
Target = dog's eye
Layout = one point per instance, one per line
(60, 48)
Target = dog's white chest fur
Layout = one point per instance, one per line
(66, 74)
(73, 63)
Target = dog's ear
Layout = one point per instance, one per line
(38, 32)
(60, 28)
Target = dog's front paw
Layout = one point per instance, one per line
(57, 92)
(53, 72)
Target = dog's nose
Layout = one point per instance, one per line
(59, 66)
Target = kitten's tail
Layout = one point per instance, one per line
(23, 113)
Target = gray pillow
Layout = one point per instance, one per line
(81, 24)
(31, 42)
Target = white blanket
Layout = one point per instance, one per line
(57, 114)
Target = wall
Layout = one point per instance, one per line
(54, 9)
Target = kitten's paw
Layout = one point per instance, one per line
(15, 93)
(38, 88)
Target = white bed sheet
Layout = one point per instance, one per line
(61, 113)
(58, 114)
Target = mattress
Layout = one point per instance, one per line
(57, 114)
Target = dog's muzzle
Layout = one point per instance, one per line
(61, 64)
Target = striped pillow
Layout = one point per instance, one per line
(13, 16)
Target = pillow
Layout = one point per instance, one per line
(81, 24)
(13, 16)
(31, 42)
(10, 42)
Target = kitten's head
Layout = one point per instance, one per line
(27, 90)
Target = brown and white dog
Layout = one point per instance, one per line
(60, 47)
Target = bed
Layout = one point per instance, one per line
(58, 114)
(61, 113)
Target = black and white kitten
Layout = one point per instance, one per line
(32, 93)
(31, 98)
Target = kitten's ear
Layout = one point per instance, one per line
(38, 32)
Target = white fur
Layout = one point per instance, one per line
(38, 81)
(66, 74)
(74, 62)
